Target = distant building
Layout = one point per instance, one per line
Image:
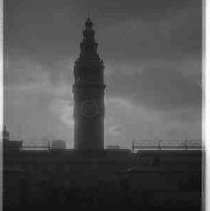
(6, 135)
(58, 144)
(112, 147)
(36, 145)
(13, 145)
(10, 145)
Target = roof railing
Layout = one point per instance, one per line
(167, 144)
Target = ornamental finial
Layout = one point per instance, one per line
(88, 23)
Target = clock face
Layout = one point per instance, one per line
(89, 109)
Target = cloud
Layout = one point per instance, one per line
(156, 88)
(152, 55)
(117, 130)
(35, 108)
(139, 30)
(127, 121)
(23, 68)
(64, 110)
(173, 36)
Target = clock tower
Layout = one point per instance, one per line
(88, 90)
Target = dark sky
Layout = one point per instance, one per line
(152, 55)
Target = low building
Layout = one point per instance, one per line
(10, 145)
(113, 147)
(58, 145)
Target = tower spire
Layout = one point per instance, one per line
(88, 24)
(88, 46)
